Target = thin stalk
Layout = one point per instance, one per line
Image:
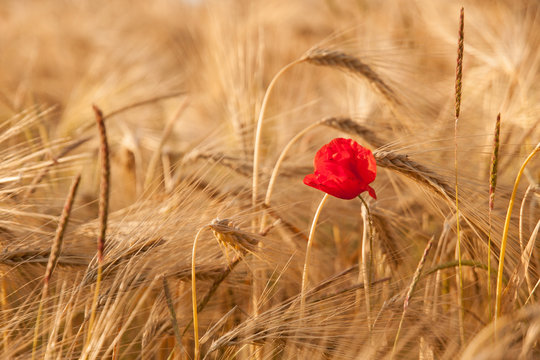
(454, 263)
(170, 305)
(255, 184)
(492, 186)
(458, 87)
(277, 166)
(522, 248)
(414, 282)
(308, 252)
(194, 295)
(257, 145)
(532, 292)
(103, 212)
(504, 239)
(164, 136)
(54, 255)
(212, 290)
(4, 303)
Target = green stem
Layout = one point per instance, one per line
(505, 233)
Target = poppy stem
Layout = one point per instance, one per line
(308, 252)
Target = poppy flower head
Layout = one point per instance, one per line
(343, 169)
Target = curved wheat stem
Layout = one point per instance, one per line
(103, 214)
(504, 239)
(257, 145)
(344, 124)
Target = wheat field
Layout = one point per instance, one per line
(152, 157)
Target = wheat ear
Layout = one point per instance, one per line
(352, 64)
(402, 164)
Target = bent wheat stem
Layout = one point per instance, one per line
(276, 168)
(257, 145)
(504, 239)
(103, 213)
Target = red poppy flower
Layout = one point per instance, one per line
(343, 169)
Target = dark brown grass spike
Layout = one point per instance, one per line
(492, 186)
(104, 183)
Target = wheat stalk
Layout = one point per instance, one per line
(103, 212)
(54, 255)
(410, 291)
(504, 239)
(170, 305)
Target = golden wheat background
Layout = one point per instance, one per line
(181, 86)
